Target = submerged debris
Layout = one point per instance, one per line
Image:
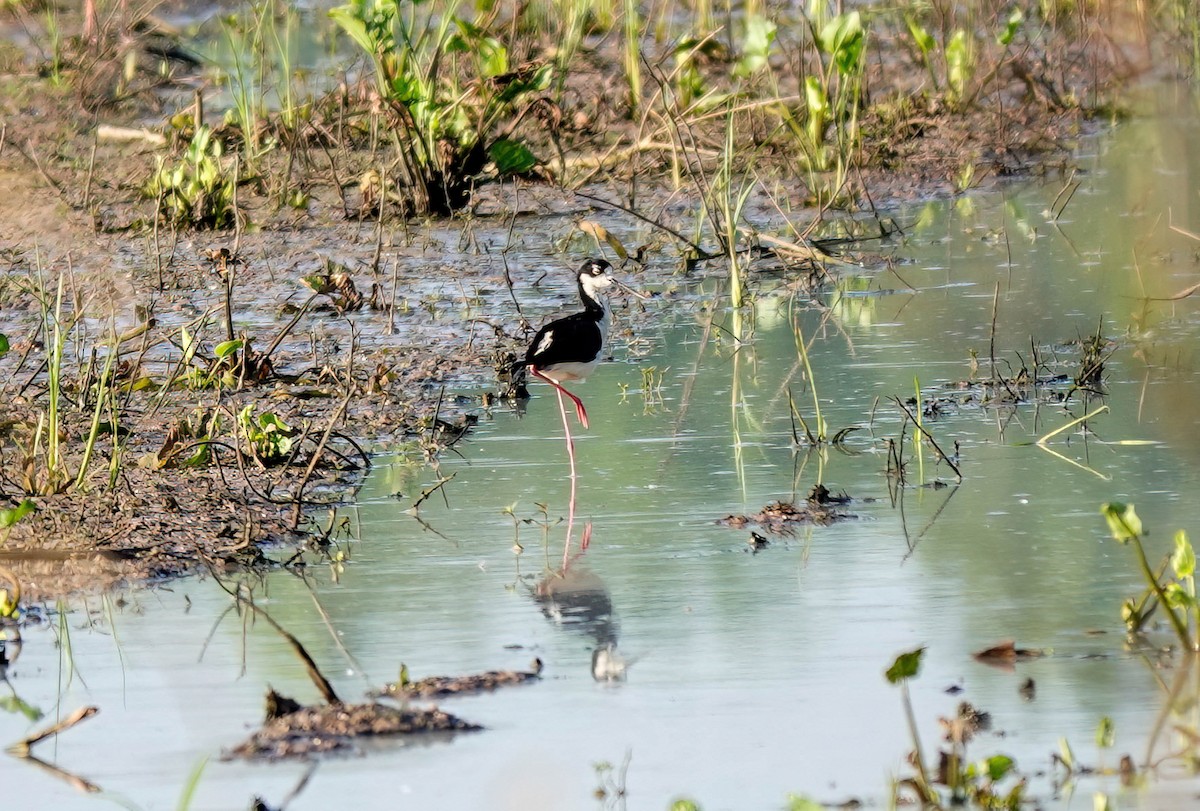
(442, 686)
(309, 731)
(779, 516)
(1006, 653)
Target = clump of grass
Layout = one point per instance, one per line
(46, 466)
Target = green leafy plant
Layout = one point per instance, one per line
(267, 437)
(199, 190)
(454, 96)
(960, 64)
(925, 43)
(963, 782)
(1175, 594)
(834, 97)
(756, 45)
(9, 517)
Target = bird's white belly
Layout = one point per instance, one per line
(570, 371)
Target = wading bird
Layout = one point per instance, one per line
(568, 349)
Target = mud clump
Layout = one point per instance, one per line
(780, 517)
(336, 728)
(446, 686)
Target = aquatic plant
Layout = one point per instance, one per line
(200, 190)
(962, 782)
(268, 438)
(1176, 595)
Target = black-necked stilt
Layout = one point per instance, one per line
(568, 349)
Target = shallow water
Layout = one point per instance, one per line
(755, 675)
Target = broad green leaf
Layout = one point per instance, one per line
(515, 88)
(3, 344)
(511, 157)
(998, 766)
(1178, 597)
(843, 38)
(14, 704)
(814, 96)
(756, 47)
(958, 62)
(923, 38)
(272, 422)
(227, 348)
(354, 26)
(1013, 25)
(1106, 733)
(906, 666)
(1123, 521)
(1184, 559)
(12, 515)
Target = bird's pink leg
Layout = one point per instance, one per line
(562, 409)
(579, 409)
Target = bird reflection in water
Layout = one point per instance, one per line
(575, 599)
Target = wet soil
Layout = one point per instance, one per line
(444, 315)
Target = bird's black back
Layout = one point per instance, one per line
(574, 339)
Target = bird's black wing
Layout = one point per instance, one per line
(575, 338)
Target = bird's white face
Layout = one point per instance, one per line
(595, 275)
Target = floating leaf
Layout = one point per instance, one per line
(1123, 521)
(801, 803)
(1004, 654)
(906, 666)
